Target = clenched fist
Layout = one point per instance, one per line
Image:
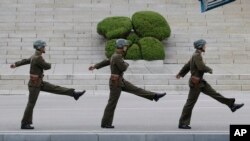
(91, 68)
(12, 66)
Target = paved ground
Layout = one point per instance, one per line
(62, 114)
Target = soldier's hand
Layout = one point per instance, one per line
(12, 66)
(91, 68)
(178, 76)
(211, 71)
(126, 63)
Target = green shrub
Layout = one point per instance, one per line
(133, 37)
(150, 24)
(114, 27)
(134, 53)
(151, 49)
(110, 48)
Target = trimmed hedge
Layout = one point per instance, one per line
(110, 48)
(134, 53)
(150, 24)
(148, 48)
(133, 37)
(151, 49)
(114, 27)
(145, 32)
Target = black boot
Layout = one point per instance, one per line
(27, 126)
(183, 126)
(108, 126)
(158, 96)
(235, 107)
(76, 95)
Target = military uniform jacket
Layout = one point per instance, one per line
(37, 66)
(117, 65)
(196, 66)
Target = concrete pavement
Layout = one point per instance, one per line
(134, 115)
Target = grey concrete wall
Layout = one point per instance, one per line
(69, 27)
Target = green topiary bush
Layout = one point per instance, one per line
(151, 49)
(110, 48)
(145, 33)
(134, 53)
(150, 24)
(133, 37)
(114, 27)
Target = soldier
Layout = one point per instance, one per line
(197, 84)
(36, 83)
(117, 83)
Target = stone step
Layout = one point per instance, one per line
(146, 81)
(153, 75)
(69, 28)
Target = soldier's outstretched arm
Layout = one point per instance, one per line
(185, 69)
(101, 64)
(41, 62)
(201, 65)
(20, 63)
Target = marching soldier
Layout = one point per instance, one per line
(117, 83)
(36, 83)
(197, 84)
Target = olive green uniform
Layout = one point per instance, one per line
(197, 68)
(118, 67)
(37, 66)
